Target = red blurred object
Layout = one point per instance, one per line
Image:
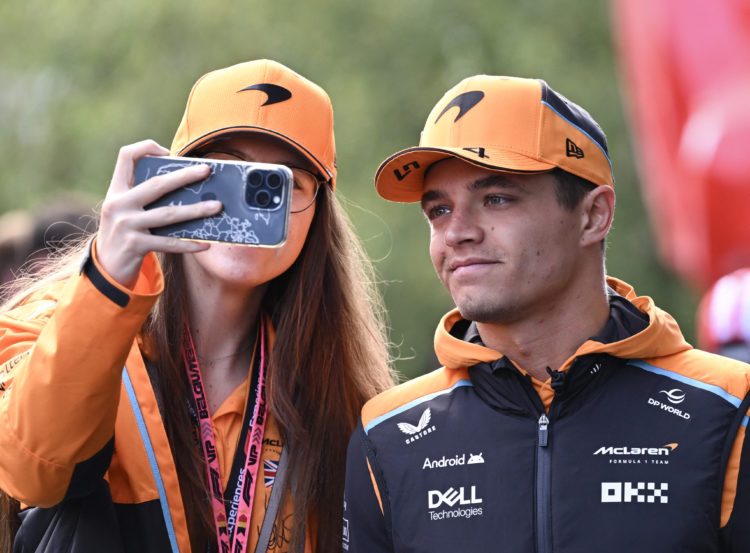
(687, 71)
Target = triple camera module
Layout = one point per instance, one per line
(263, 188)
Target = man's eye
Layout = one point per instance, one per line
(436, 211)
(495, 199)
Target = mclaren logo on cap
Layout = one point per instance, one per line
(274, 92)
(464, 102)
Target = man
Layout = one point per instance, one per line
(570, 415)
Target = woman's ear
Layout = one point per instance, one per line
(598, 209)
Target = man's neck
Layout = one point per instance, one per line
(550, 338)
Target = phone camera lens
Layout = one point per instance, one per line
(273, 180)
(255, 179)
(262, 198)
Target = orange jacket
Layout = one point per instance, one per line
(65, 355)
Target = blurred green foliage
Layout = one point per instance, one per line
(80, 79)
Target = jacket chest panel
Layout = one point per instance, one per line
(641, 460)
(444, 487)
(625, 472)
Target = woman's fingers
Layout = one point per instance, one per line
(124, 238)
(157, 186)
(122, 178)
(171, 214)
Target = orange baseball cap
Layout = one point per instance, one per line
(261, 96)
(501, 123)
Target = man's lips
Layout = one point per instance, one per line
(470, 263)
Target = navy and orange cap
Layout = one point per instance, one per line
(261, 96)
(500, 123)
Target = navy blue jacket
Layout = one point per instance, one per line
(638, 446)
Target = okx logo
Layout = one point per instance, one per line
(422, 428)
(455, 502)
(634, 492)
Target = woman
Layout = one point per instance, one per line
(149, 376)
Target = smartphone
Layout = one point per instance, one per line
(256, 199)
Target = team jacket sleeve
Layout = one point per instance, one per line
(735, 534)
(366, 528)
(61, 359)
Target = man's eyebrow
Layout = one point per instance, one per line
(493, 180)
(489, 181)
(431, 195)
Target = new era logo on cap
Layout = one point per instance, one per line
(572, 150)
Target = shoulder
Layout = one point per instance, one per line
(722, 375)
(412, 393)
(39, 305)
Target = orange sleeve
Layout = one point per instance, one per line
(731, 476)
(61, 359)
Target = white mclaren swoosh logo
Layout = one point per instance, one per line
(674, 395)
(410, 429)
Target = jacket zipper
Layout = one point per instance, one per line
(543, 484)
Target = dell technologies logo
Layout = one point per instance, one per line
(674, 396)
(455, 503)
(422, 428)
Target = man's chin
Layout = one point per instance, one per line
(477, 312)
(487, 313)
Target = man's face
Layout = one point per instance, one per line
(500, 242)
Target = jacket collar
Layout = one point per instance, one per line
(636, 329)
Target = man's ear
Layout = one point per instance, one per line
(598, 209)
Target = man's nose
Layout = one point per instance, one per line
(463, 226)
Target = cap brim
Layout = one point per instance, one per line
(206, 138)
(400, 178)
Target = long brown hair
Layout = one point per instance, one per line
(329, 357)
(8, 521)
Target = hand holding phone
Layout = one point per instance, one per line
(123, 238)
(256, 199)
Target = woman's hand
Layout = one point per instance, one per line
(123, 239)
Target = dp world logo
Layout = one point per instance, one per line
(674, 395)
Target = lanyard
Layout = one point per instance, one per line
(232, 525)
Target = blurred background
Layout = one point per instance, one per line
(80, 79)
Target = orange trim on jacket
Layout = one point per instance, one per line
(661, 344)
(62, 354)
